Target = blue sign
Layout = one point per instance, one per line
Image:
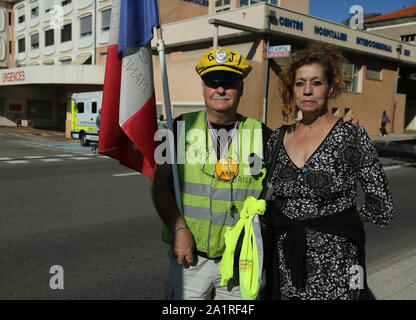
(406, 52)
(204, 3)
(290, 23)
(373, 44)
(331, 33)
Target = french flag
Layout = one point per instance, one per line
(128, 113)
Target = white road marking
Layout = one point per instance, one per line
(34, 157)
(51, 160)
(17, 161)
(126, 174)
(2, 159)
(79, 158)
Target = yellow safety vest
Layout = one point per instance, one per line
(251, 255)
(206, 199)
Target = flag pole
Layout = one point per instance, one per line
(161, 51)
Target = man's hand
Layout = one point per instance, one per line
(361, 217)
(164, 199)
(350, 118)
(183, 246)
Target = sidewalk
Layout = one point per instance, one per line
(44, 133)
(395, 278)
(396, 144)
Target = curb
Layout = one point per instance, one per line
(396, 149)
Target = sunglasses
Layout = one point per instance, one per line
(227, 84)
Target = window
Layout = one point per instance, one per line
(34, 41)
(222, 5)
(80, 107)
(94, 107)
(298, 114)
(408, 38)
(86, 26)
(244, 3)
(105, 20)
(22, 19)
(66, 61)
(64, 3)
(48, 5)
(49, 38)
(21, 45)
(373, 71)
(66, 33)
(352, 75)
(88, 61)
(34, 12)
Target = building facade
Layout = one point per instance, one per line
(48, 58)
(400, 25)
(57, 47)
(371, 71)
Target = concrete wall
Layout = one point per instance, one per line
(175, 10)
(295, 5)
(395, 31)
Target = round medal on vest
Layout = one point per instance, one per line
(226, 169)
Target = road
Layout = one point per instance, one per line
(62, 205)
(80, 213)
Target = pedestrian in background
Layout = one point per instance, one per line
(97, 122)
(384, 120)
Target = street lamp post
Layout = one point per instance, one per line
(399, 51)
(269, 15)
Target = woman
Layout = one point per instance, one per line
(318, 235)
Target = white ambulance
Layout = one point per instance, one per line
(84, 112)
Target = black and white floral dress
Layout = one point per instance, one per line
(327, 185)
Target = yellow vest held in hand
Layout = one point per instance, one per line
(251, 256)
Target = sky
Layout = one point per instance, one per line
(338, 10)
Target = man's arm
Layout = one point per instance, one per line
(164, 200)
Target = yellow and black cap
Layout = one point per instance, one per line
(222, 65)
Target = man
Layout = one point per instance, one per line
(213, 190)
